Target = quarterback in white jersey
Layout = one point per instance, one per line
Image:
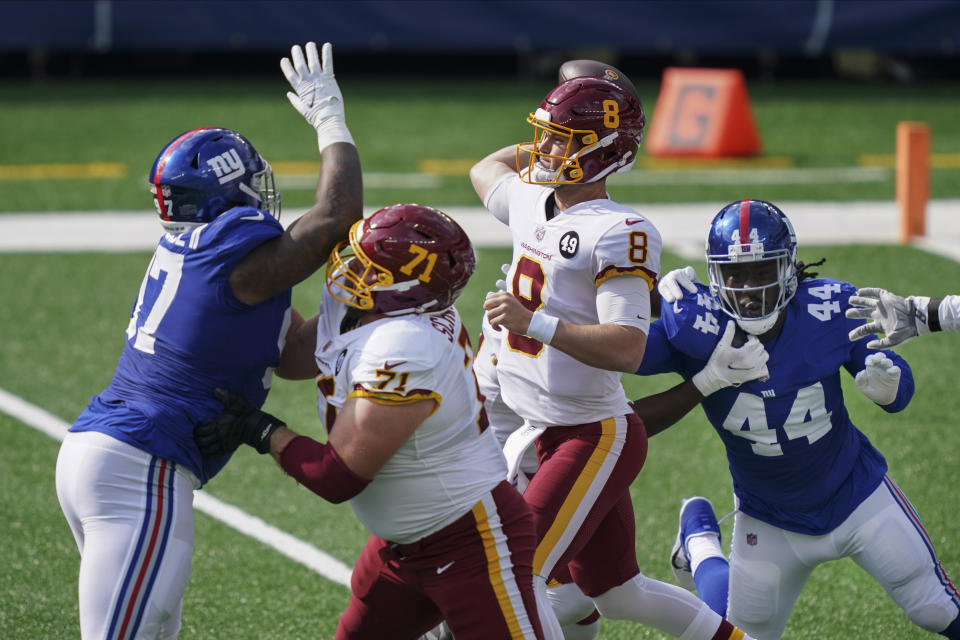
(576, 311)
(564, 266)
(408, 442)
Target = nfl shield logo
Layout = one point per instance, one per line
(752, 539)
(540, 232)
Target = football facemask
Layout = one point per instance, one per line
(584, 130)
(406, 258)
(204, 172)
(751, 262)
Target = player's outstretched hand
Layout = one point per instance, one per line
(880, 379)
(732, 366)
(240, 423)
(886, 313)
(672, 285)
(315, 93)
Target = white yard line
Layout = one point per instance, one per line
(297, 550)
(682, 226)
(651, 176)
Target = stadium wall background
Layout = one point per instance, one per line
(875, 40)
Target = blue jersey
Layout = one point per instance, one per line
(796, 459)
(187, 335)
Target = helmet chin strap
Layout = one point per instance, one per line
(758, 326)
(540, 174)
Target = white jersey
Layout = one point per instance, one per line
(558, 263)
(452, 460)
(503, 420)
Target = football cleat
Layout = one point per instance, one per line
(696, 519)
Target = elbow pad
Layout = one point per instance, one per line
(319, 468)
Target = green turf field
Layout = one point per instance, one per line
(398, 125)
(62, 328)
(63, 316)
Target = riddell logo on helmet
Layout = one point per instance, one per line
(228, 165)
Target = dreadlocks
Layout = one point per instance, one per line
(803, 274)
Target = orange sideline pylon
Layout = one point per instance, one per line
(703, 113)
(913, 178)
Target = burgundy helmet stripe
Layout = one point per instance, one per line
(162, 162)
(744, 223)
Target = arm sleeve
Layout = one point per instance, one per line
(950, 314)
(624, 301)
(906, 387)
(659, 356)
(858, 353)
(319, 468)
(498, 198)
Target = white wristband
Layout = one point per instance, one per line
(705, 383)
(333, 130)
(542, 327)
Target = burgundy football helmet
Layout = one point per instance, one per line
(597, 69)
(405, 258)
(601, 124)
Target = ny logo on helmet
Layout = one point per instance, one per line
(227, 165)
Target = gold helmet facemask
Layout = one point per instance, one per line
(351, 274)
(578, 142)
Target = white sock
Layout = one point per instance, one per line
(703, 546)
(548, 619)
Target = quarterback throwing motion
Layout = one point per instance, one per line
(574, 316)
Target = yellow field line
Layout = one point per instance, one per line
(296, 168)
(459, 166)
(62, 171)
(889, 160)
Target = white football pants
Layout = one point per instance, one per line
(132, 516)
(884, 535)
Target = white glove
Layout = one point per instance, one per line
(316, 94)
(502, 284)
(732, 366)
(671, 286)
(888, 313)
(880, 379)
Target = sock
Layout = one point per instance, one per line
(712, 579)
(703, 546)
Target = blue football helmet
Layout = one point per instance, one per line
(205, 172)
(752, 232)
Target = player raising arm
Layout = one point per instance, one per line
(213, 311)
(575, 313)
(900, 319)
